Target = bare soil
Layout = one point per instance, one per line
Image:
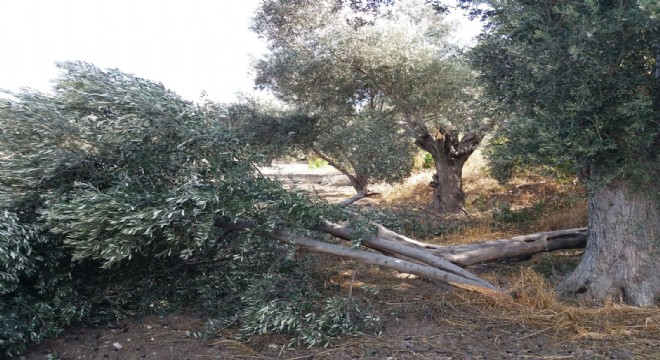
(422, 319)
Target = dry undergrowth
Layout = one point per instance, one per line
(429, 320)
(533, 308)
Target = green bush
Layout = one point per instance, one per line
(114, 182)
(316, 163)
(38, 294)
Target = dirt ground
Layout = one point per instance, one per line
(422, 319)
(423, 322)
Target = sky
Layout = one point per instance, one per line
(189, 45)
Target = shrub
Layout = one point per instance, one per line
(114, 182)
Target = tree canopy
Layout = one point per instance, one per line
(393, 62)
(114, 182)
(579, 78)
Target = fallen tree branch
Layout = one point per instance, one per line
(401, 251)
(371, 258)
(470, 254)
(487, 251)
(423, 270)
(359, 196)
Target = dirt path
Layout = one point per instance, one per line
(326, 182)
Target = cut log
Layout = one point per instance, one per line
(401, 251)
(458, 277)
(481, 252)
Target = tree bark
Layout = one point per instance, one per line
(482, 252)
(620, 263)
(401, 251)
(460, 278)
(356, 197)
(449, 155)
(359, 182)
(470, 254)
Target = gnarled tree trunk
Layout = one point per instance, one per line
(449, 155)
(620, 262)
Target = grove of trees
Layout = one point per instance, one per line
(387, 67)
(118, 197)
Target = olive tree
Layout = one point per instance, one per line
(113, 182)
(582, 82)
(393, 60)
(363, 146)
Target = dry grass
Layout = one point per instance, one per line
(428, 315)
(552, 205)
(534, 305)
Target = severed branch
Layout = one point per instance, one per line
(430, 261)
(401, 251)
(359, 196)
(481, 252)
(470, 254)
(487, 251)
(425, 271)
(456, 276)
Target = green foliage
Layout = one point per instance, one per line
(112, 194)
(577, 80)
(419, 224)
(316, 163)
(272, 130)
(311, 316)
(423, 160)
(374, 81)
(370, 145)
(37, 287)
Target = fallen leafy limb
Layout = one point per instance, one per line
(421, 264)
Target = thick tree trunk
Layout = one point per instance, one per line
(447, 183)
(620, 262)
(449, 155)
(469, 254)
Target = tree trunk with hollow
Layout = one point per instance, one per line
(449, 155)
(620, 263)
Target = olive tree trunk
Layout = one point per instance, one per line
(449, 155)
(621, 259)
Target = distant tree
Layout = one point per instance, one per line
(582, 82)
(388, 63)
(362, 146)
